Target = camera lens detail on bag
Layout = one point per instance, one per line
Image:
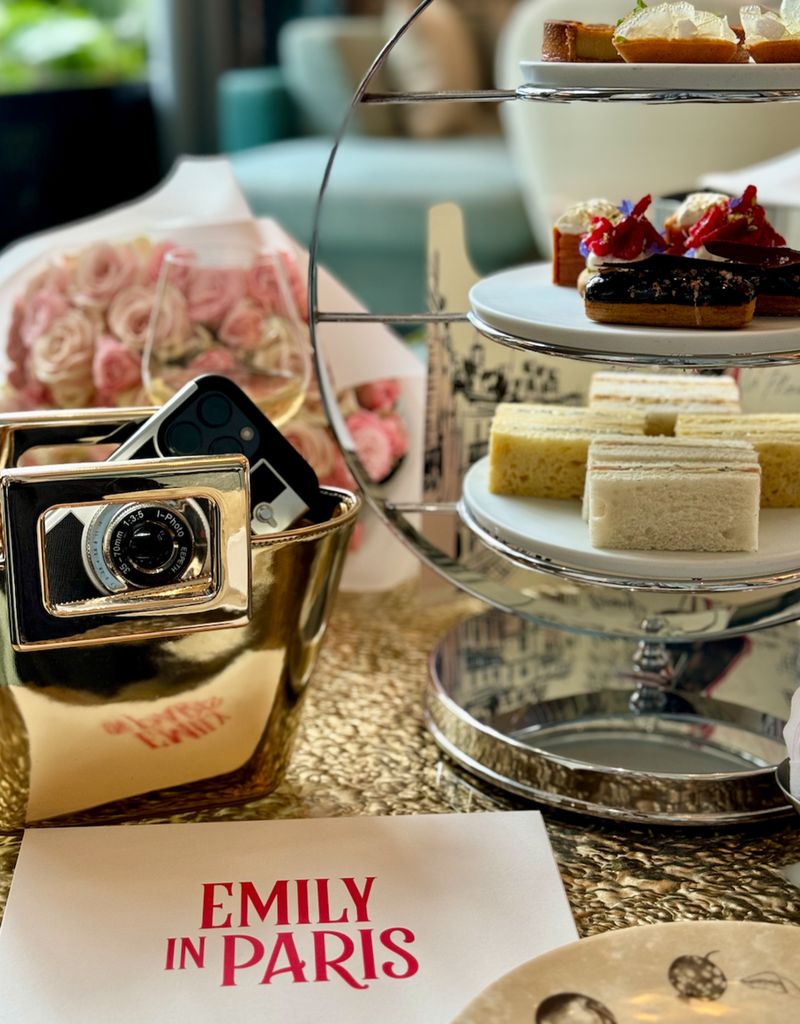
(145, 545)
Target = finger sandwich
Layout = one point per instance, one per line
(663, 396)
(540, 451)
(776, 439)
(672, 494)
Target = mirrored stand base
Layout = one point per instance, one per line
(685, 734)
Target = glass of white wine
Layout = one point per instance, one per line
(233, 311)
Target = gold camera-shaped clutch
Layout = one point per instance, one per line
(154, 653)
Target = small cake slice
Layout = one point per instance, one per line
(776, 438)
(539, 451)
(576, 41)
(672, 496)
(661, 450)
(661, 396)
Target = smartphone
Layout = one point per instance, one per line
(213, 416)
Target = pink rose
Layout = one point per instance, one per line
(298, 283)
(281, 352)
(15, 347)
(314, 443)
(54, 278)
(72, 394)
(172, 327)
(397, 433)
(101, 272)
(214, 360)
(40, 311)
(212, 291)
(340, 475)
(268, 285)
(243, 325)
(129, 315)
(373, 445)
(115, 368)
(62, 359)
(156, 258)
(379, 395)
(357, 537)
(35, 396)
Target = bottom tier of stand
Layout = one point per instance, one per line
(689, 734)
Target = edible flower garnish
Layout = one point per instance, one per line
(739, 220)
(630, 239)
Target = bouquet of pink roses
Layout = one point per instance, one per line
(79, 330)
(80, 327)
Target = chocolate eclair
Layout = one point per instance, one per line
(774, 270)
(671, 291)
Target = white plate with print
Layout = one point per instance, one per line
(660, 973)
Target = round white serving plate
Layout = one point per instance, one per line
(643, 973)
(553, 536)
(601, 75)
(523, 304)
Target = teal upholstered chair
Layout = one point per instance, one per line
(277, 125)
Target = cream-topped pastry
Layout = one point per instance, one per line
(675, 33)
(567, 231)
(578, 218)
(772, 37)
(693, 207)
(629, 239)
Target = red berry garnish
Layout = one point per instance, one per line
(629, 239)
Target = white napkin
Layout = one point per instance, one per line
(777, 180)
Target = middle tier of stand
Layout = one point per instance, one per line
(523, 309)
(553, 537)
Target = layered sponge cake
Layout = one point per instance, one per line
(663, 396)
(540, 451)
(673, 494)
(776, 439)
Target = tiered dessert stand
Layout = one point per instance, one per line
(539, 695)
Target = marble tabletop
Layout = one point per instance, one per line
(363, 749)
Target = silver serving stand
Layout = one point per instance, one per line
(592, 693)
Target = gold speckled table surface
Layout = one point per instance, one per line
(363, 749)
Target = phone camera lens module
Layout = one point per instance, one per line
(184, 438)
(215, 410)
(225, 446)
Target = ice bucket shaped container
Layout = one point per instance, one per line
(151, 707)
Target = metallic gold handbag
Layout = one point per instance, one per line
(156, 700)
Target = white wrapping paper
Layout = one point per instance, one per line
(200, 204)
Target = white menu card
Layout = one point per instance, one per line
(343, 920)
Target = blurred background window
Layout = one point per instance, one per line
(47, 44)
